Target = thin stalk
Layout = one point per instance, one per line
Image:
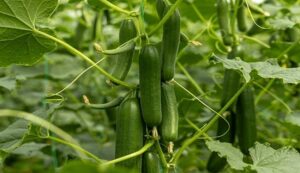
(189, 141)
(206, 136)
(116, 8)
(84, 57)
(190, 78)
(76, 147)
(137, 153)
(256, 40)
(166, 17)
(263, 91)
(161, 154)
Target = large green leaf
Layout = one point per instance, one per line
(268, 160)
(18, 20)
(233, 155)
(12, 137)
(266, 69)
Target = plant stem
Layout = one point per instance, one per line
(189, 141)
(197, 128)
(190, 78)
(264, 90)
(166, 17)
(114, 7)
(41, 122)
(84, 57)
(256, 40)
(137, 153)
(76, 147)
(161, 154)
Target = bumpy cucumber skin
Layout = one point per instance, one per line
(169, 125)
(129, 133)
(241, 16)
(231, 85)
(246, 121)
(150, 85)
(127, 32)
(223, 19)
(170, 45)
(151, 162)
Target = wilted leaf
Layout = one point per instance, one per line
(268, 160)
(233, 155)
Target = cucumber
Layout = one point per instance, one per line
(255, 29)
(246, 121)
(150, 85)
(129, 133)
(160, 7)
(170, 44)
(223, 19)
(127, 32)
(241, 16)
(151, 162)
(231, 85)
(292, 34)
(169, 125)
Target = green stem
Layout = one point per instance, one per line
(256, 40)
(263, 91)
(41, 122)
(161, 154)
(76, 147)
(137, 153)
(114, 7)
(198, 129)
(200, 16)
(166, 17)
(84, 57)
(190, 78)
(189, 141)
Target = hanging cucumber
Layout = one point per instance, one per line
(127, 32)
(151, 162)
(129, 133)
(292, 34)
(231, 85)
(150, 85)
(246, 122)
(170, 44)
(169, 125)
(223, 19)
(241, 16)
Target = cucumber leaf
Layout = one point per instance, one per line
(265, 69)
(233, 155)
(19, 44)
(268, 160)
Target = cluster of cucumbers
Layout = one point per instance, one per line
(240, 116)
(151, 109)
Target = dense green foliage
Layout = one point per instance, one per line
(183, 86)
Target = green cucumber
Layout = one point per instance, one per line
(129, 133)
(150, 85)
(151, 162)
(127, 32)
(223, 19)
(169, 125)
(246, 121)
(170, 44)
(231, 85)
(292, 34)
(160, 7)
(241, 16)
(257, 29)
